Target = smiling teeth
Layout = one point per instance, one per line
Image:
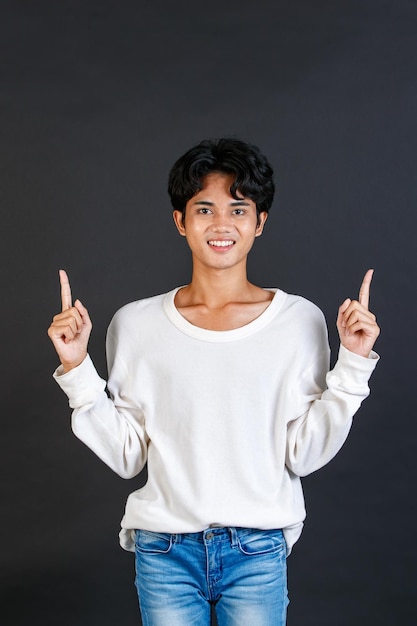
(221, 244)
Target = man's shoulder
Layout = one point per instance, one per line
(302, 306)
(150, 308)
(302, 318)
(141, 305)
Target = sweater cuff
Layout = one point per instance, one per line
(352, 371)
(82, 384)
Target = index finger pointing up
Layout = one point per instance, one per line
(364, 290)
(65, 290)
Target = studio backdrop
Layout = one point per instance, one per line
(97, 100)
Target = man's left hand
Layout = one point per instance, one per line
(357, 326)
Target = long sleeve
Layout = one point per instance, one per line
(316, 436)
(113, 428)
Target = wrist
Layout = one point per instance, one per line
(67, 366)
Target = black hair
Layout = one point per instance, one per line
(253, 174)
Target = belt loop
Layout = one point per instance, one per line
(175, 538)
(233, 537)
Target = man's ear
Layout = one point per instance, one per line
(179, 222)
(263, 216)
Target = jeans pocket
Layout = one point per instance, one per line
(261, 542)
(148, 542)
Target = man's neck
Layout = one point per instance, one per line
(221, 301)
(216, 288)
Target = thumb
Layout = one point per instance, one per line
(84, 314)
(343, 307)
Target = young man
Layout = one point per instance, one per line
(223, 388)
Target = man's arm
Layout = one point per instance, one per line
(319, 432)
(116, 434)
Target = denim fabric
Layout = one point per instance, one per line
(242, 572)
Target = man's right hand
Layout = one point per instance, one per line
(70, 330)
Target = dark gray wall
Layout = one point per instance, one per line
(97, 100)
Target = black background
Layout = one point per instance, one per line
(97, 99)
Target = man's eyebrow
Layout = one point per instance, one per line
(233, 203)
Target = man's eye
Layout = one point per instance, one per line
(204, 211)
(239, 211)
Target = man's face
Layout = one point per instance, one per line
(220, 230)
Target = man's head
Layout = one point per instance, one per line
(251, 171)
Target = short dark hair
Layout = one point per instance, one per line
(253, 174)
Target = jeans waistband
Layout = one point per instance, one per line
(216, 534)
(229, 534)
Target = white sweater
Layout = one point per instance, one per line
(227, 421)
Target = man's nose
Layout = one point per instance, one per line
(222, 223)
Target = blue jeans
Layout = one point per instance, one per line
(241, 571)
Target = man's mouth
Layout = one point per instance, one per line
(221, 243)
